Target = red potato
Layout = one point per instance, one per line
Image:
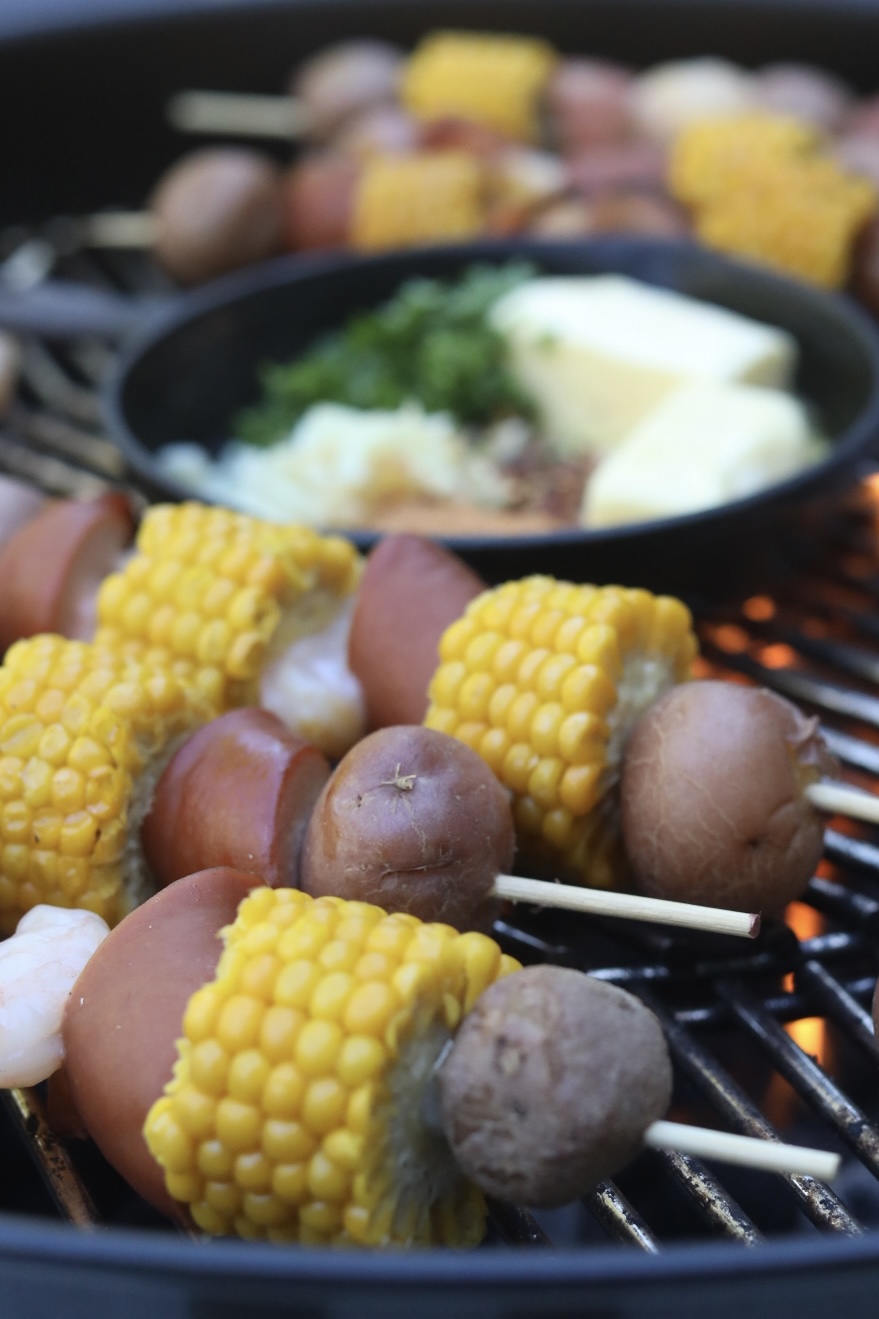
(318, 201)
(238, 793)
(587, 104)
(126, 1010)
(410, 591)
(51, 569)
(217, 210)
(345, 78)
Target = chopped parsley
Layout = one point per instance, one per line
(431, 343)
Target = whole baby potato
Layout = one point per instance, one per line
(550, 1084)
(713, 802)
(414, 821)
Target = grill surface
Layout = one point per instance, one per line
(742, 1021)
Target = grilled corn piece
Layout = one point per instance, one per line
(222, 597)
(489, 79)
(544, 679)
(297, 1107)
(425, 197)
(762, 187)
(84, 730)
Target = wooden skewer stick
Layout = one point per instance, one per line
(841, 799)
(600, 902)
(240, 113)
(749, 1151)
(119, 229)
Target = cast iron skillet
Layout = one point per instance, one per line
(193, 368)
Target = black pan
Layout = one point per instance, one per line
(197, 365)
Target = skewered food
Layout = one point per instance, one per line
(713, 797)
(419, 583)
(412, 821)
(337, 83)
(238, 793)
(52, 566)
(83, 731)
(766, 189)
(234, 605)
(544, 679)
(216, 210)
(325, 1079)
(38, 966)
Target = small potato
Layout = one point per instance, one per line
(712, 797)
(550, 1084)
(217, 210)
(413, 821)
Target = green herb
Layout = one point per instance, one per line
(432, 343)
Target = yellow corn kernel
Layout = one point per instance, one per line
(406, 200)
(298, 1136)
(489, 79)
(764, 186)
(561, 671)
(70, 769)
(209, 589)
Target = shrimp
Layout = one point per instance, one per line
(39, 965)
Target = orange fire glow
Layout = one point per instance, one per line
(759, 608)
(810, 1033)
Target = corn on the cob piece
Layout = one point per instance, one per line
(425, 197)
(544, 679)
(295, 1112)
(489, 79)
(221, 596)
(762, 187)
(802, 218)
(83, 730)
(720, 153)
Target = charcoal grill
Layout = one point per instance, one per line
(744, 1023)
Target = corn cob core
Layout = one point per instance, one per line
(83, 731)
(545, 679)
(297, 1107)
(220, 595)
(489, 79)
(762, 188)
(423, 197)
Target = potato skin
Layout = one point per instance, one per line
(712, 797)
(414, 821)
(550, 1084)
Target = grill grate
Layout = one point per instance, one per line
(728, 1013)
